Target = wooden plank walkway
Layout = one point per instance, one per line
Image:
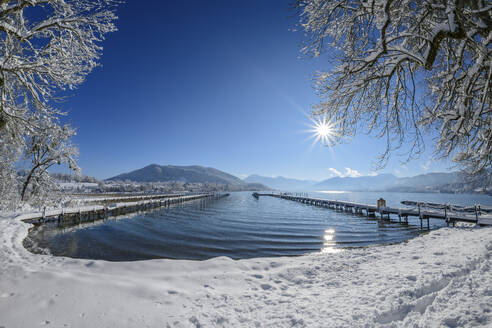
(125, 198)
(421, 212)
(90, 213)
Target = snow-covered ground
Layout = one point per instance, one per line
(443, 278)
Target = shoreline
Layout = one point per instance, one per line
(381, 233)
(441, 278)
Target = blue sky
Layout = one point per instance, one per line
(213, 83)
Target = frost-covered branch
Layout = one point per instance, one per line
(43, 151)
(46, 47)
(400, 66)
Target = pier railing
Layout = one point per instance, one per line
(423, 211)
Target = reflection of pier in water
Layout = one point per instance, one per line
(71, 216)
(423, 211)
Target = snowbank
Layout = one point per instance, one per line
(440, 279)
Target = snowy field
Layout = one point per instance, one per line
(442, 278)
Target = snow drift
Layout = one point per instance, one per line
(442, 278)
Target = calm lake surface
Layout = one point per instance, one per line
(238, 226)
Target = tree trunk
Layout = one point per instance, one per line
(26, 184)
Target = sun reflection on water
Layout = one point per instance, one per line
(329, 234)
(329, 242)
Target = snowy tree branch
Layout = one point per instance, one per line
(46, 46)
(400, 66)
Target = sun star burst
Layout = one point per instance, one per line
(323, 130)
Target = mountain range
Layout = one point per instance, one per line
(280, 183)
(337, 183)
(186, 174)
(433, 182)
(376, 182)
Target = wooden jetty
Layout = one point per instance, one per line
(451, 214)
(101, 199)
(91, 213)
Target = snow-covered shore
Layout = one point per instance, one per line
(442, 278)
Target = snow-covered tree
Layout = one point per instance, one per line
(9, 193)
(46, 47)
(52, 147)
(401, 67)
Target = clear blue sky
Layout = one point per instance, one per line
(213, 83)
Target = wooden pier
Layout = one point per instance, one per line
(104, 200)
(451, 214)
(90, 213)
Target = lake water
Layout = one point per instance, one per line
(238, 226)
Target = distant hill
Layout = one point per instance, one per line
(427, 182)
(377, 182)
(281, 183)
(190, 174)
(453, 182)
(430, 182)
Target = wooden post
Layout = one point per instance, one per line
(420, 216)
(446, 214)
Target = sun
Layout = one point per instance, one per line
(323, 130)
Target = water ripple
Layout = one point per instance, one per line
(238, 226)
